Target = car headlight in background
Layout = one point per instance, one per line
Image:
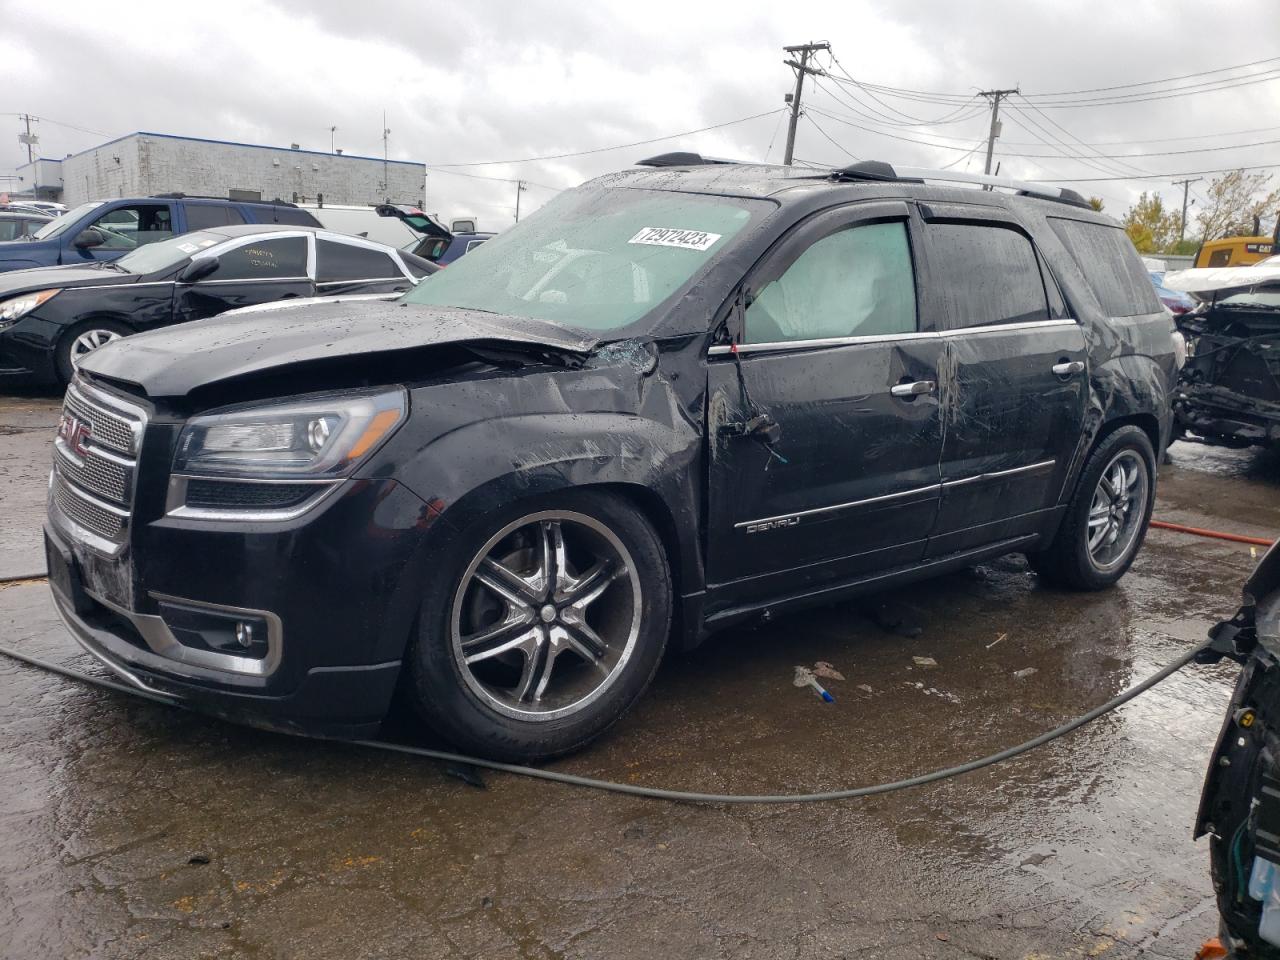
(15, 308)
(274, 461)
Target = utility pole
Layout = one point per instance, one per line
(805, 50)
(995, 96)
(520, 188)
(386, 180)
(29, 138)
(1182, 223)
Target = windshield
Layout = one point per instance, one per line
(55, 227)
(1268, 298)
(166, 253)
(593, 259)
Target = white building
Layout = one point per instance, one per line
(143, 164)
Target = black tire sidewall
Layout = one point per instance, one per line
(441, 695)
(62, 353)
(1068, 560)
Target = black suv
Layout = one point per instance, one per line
(672, 400)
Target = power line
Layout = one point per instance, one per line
(1162, 176)
(618, 146)
(833, 142)
(946, 118)
(1147, 83)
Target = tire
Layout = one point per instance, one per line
(81, 340)
(512, 664)
(1119, 524)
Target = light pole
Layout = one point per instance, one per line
(332, 131)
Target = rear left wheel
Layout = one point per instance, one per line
(546, 625)
(1106, 520)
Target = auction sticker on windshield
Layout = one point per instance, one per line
(671, 237)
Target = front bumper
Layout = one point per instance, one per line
(26, 352)
(334, 585)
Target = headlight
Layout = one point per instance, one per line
(1180, 349)
(15, 308)
(317, 438)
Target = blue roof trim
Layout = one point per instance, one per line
(252, 146)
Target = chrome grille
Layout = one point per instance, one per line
(84, 511)
(95, 462)
(95, 473)
(110, 428)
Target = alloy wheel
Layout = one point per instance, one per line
(89, 341)
(546, 616)
(1118, 509)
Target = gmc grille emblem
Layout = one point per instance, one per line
(74, 432)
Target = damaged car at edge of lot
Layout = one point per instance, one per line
(1240, 804)
(51, 318)
(672, 400)
(1229, 390)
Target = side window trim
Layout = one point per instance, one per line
(799, 238)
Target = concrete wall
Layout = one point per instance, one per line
(144, 164)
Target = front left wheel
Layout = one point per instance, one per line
(544, 625)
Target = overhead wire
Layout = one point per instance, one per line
(839, 146)
(616, 146)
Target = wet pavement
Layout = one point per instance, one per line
(134, 830)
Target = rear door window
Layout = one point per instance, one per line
(1110, 265)
(985, 274)
(855, 282)
(276, 258)
(202, 216)
(337, 262)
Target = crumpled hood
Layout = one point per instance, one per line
(174, 361)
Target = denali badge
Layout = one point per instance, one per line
(765, 525)
(74, 432)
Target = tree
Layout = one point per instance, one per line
(1096, 203)
(1151, 227)
(1234, 201)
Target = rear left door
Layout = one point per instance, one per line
(255, 270)
(1014, 378)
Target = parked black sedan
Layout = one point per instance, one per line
(51, 317)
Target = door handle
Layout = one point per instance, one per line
(1068, 368)
(908, 391)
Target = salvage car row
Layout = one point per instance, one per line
(108, 269)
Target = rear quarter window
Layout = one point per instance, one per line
(1110, 265)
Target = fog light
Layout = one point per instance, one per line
(204, 628)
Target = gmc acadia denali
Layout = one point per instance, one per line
(674, 399)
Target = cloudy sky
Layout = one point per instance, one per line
(502, 81)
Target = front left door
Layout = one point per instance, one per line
(823, 424)
(258, 270)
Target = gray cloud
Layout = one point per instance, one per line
(496, 80)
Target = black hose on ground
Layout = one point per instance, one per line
(685, 796)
